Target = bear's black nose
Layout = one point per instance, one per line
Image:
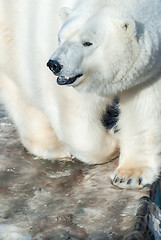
(54, 66)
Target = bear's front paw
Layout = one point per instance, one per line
(134, 177)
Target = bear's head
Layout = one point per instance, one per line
(101, 50)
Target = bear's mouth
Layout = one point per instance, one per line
(67, 80)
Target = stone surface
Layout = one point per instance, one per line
(60, 200)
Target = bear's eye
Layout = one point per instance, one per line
(87, 44)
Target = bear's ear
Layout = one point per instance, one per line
(64, 13)
(129, 26)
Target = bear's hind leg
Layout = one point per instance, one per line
(33, 126)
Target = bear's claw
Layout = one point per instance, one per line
(133, 178)
(127, 182)
(140, 180)
(122, 180)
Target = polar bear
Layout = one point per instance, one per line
(113, 47)
(54, 122)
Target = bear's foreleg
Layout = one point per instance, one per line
(140, 137)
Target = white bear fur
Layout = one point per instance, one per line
(53, 121)
(124, 59)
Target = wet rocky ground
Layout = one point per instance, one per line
(68, 200)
